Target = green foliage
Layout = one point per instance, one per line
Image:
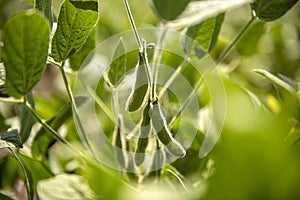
(169, 9)
(267, 10)
(84, 53)
(25, 38)
(75, 22)
(159, 147)
(205, 34)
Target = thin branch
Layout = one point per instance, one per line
(137, 37)
(81, 131)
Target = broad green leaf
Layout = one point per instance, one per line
(45, 6)
(12, 137)
(26, 119)
(270, 10)
(169, 9)
(75, 22)
(26, 38)
(85, 53)
(140, 89)
(247, 45)
(118, 66)
(37, 169)
(275, 80)
(205, 34)
(65, 186)
(198, 11)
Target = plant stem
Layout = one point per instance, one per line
(137, 37)
(10, 100)
(156, 60)
(81, 131)
(220, 59)
(46, 126)
(26, 175)
(237, 38)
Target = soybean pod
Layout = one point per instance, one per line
(141, 88)
(144, 133)
(163, 133)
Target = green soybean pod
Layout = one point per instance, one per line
(163, 133)
(119, 140)
(144, 133)
(141, 88)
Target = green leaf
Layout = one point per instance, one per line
(26, 38)
(26, 119)
(198, 11)
(65, 186)
(12, 137)
(140, 89)
(75, 22)
(275, 80)
(205, 34)
(169, 9)
(45, 6)
(247, 45)
(118, 67)
(270, 10)
(85, 53)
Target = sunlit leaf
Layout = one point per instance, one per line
(26, 38)
(75, 22)
(85, 53)
(169, 9)
(275, 80)
(205, 34)
(269, 10)
(65, 186)
(198, 11)
(247, 46)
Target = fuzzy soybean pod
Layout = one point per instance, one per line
(141, 88)
(163, 133)
(144, 133)
(119, 141)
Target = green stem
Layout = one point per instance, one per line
(137, 37)
(10, 100)
(220, 59)
(237, 38)
(156, 60)
(81, 131)
(46, 126)
(26, 175)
